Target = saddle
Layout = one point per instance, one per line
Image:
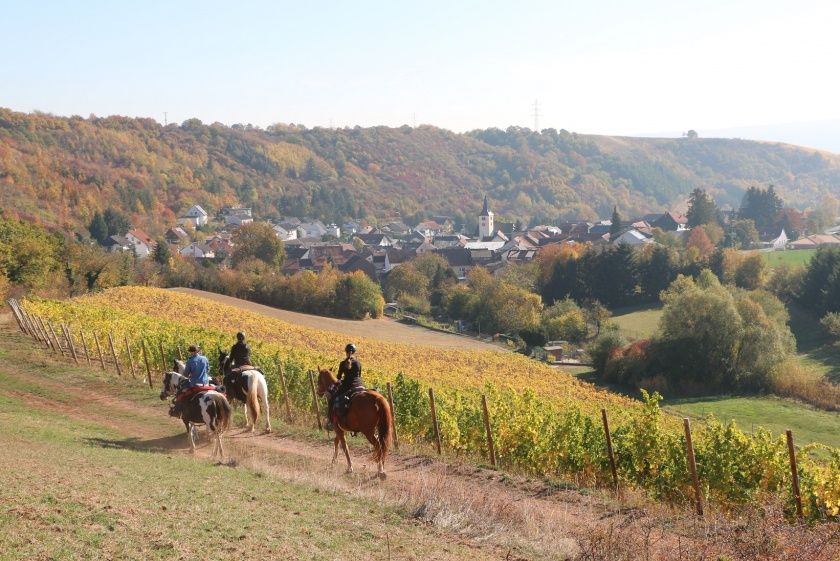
(342, 402)
(189, 393)
(244, 368)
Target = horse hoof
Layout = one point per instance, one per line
(349, 470)
(268, 430)
(383, 475)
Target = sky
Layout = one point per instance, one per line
(601, 67)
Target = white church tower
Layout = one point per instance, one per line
(485, 222)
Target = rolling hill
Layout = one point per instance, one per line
(58, 171)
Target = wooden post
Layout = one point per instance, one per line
(180, 353)
(69, 336)
(692, 466)
(114, 354)
(24, 319)
(795, 475)
(43, 329)
(84, 345)
(434, 419)
(491, 448)
(130, 358)
(99, 351)
(146, 361)
(28, 324)
(16, 313)
(162, 357)
(315, 400)
(393, 416)
(610, 448)
(55, 337)
(285, 390)
(41, 333)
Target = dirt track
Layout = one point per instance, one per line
(384, 328)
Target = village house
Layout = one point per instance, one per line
(176, 236)
(633, 237)
(142, 242)
(376, 240)
(459, 259)
(814, 241)
(196, 215)
(312, 230)
(197, 250)
(285, 234)
(118, 243)
(671, 222)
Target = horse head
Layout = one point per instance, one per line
(180, 366)
(224, 362)
(171, 380)
(326, 380)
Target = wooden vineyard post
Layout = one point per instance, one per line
(43, 329)
(130, 358)
(434, 419)
(70, 344)
(16, 313)
(162, 356)
(315, 400)
(180, 353)
(55, 338)
(610, 448)
(99, 351)
(38, 325)
(146, 361)
(114, 354)
(692, 466)
(491, 447)
(84, 345)
(393, 416)
(285, 390)
(794, 472)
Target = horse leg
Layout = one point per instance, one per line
(335, 451)
(190, 436)
(264, 396)
(377, 450)
(340, 434)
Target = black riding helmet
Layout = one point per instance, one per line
(240, 336)
(350, 348)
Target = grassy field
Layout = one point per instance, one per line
(792, 257)
(778, 415)
(638, 322)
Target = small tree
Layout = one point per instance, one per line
(617, 226)
(163, 254)
(260, 241)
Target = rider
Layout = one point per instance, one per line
(197, 373)
(240, 352)
(350, 375)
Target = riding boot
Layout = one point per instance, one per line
(330, 425)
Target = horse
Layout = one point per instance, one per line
(368, 414)
(250, 388)
(209, 408)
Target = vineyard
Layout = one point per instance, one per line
(541, 422)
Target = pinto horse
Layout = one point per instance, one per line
(368, 414)
(250, 388)
(206, 408)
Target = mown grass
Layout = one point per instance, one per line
(808, 424)
(638, 322)
(792, 257)
(82, 488)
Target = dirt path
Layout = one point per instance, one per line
(385, 328)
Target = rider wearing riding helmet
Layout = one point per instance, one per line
(240, 352)
(350, 376)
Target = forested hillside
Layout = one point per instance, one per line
(59, 171)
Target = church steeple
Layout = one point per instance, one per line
(485, 221)
(485, 211)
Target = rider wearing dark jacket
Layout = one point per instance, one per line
(240, 352)
(350, 376)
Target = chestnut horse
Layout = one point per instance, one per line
(368, 413)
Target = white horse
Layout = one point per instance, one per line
(208, 408)
(250, 388)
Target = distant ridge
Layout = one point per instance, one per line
(59, 171)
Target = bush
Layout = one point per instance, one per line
(603, 347)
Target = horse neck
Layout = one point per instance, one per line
(328, 379)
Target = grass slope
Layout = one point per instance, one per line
(75, 488)
(808, 424)
(793, 258)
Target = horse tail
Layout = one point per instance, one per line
(253, 404)
(384, 428)
(224, 414)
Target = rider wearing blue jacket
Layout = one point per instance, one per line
(197, 369)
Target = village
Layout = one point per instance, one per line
(375, 250)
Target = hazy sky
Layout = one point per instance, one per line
(619, 67)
